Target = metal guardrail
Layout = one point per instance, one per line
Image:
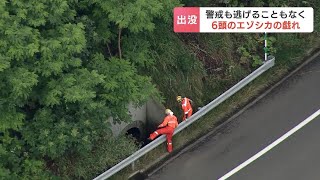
(266, 65)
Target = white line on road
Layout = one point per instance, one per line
(272, 145)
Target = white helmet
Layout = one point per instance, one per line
(168, 111)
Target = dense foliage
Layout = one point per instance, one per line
(68, 65)
(57, 86)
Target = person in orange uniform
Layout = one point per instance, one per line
(186, 107)
(167, 127)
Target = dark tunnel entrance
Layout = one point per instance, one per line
(135, 133)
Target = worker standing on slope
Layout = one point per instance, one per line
(167, 127)
(186, 107)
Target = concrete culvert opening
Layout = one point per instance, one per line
(135, 133)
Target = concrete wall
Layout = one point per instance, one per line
(155, 115)
(145, 118)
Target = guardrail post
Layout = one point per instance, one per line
(133, 166)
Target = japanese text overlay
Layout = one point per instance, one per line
(243, 19)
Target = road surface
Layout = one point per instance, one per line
(297, 157)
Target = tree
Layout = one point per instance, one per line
(135, 16)
(56, 90)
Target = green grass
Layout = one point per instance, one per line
(286, 60)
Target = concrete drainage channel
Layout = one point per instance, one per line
(138, 176)
(162, 160)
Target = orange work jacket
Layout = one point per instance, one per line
(186, 106)
(169, 120)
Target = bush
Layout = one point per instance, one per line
(107, 153)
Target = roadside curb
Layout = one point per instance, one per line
(167, 158)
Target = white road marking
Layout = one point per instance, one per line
(272, 145)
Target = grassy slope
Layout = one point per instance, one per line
(287, 58)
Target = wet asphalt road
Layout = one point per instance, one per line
(272, 116)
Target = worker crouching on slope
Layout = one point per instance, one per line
(167, 127)
(186, 107)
